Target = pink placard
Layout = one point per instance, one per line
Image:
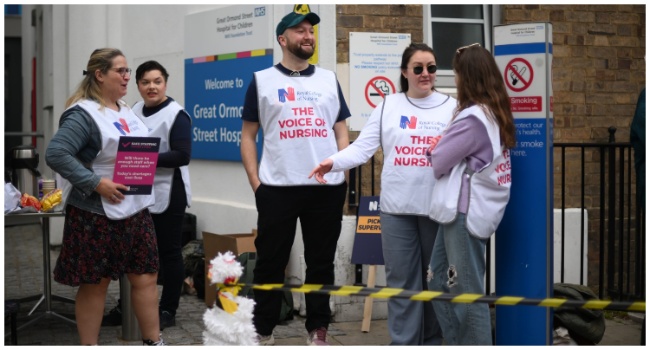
(135, 163)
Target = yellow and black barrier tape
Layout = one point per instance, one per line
(387, 293)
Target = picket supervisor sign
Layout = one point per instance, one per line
(367, 248)
(524, 239)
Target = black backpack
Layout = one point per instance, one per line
(247, 261)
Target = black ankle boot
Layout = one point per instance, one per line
(166, 320)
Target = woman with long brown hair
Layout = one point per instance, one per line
(471, 162)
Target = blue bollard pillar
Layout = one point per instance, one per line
(524, 240)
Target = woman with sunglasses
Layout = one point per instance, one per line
(471, 163)
(403, 126)
(105, 234)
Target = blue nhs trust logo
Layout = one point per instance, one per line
(260, 11)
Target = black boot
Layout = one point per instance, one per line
(166, 319)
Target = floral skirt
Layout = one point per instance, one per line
(96, 247)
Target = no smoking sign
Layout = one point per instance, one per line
(377, 89)
(518, 75)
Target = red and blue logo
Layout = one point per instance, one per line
(287, 95)
(405, 121)
(122, 127)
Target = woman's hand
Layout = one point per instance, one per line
(110, 190)
(434, 143)
(323, 168)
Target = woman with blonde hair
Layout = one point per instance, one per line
(471, 163)
(105, 234)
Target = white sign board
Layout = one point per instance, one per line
(229, 29)
(374, 71)
(521, 53)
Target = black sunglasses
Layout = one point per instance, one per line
(431, 69)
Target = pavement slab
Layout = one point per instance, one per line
(23, 273)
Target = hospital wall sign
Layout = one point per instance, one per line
(375, 60)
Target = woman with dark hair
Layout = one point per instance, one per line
(403, 126)
(471, 163)
(166, 119)
(105, 234)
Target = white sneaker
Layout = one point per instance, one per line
(263, 340)
(150, 342)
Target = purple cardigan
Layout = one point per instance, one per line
(465, 139)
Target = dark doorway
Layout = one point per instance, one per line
(13, 95)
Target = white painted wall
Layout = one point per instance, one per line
(223, 201)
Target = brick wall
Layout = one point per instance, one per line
(375, 18)
(598, 66)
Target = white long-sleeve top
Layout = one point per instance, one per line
(404, 132)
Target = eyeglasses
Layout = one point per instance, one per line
(467, 47)
(431, 69)
(123, 71)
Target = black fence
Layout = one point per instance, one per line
(617, 223)
(597, 177)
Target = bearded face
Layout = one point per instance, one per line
(302, 50)
(300, 40)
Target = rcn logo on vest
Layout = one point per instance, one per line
(405, 121)
(287, 95)
(122, 126)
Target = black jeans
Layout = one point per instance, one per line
(320, 209)
(169, 233)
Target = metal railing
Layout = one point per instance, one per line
(617, 230)
(603, 174)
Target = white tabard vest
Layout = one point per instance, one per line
(406, 133)
(297, 115)
(489, 188)
(111, 124)
(160, 125)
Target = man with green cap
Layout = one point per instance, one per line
(300, 108)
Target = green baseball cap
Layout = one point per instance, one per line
(293, 19)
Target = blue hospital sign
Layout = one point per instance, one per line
(214, 98)
(223, 48)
